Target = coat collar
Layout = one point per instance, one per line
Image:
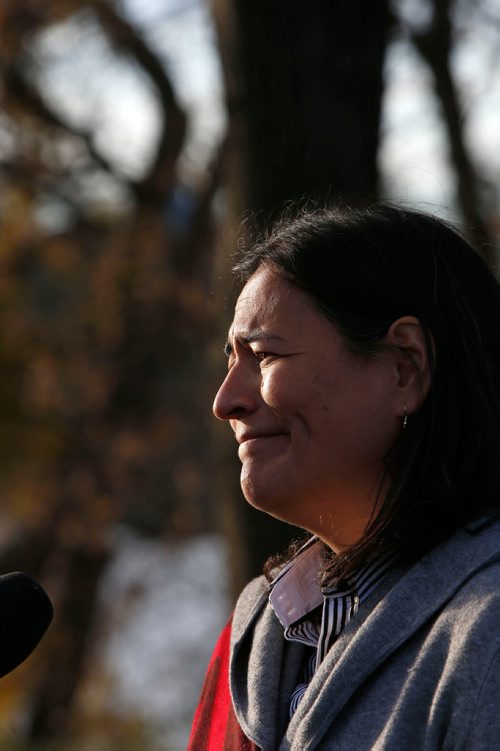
(407, 598)
(412, 600)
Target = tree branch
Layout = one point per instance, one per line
(21, 93)
(162, 174)
(125, 38)
(434, 46)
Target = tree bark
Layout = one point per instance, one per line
(435, 46)
(303, 90)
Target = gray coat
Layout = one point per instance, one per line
(418, 667)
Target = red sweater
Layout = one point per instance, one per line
(215, 727)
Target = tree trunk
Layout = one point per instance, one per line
(67, 649)
(435, 46)
(303, 89)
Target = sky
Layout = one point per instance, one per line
(413, 155)
(83, 78)
(80, 70)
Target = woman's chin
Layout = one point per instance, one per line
(257, 492)
(265, 496)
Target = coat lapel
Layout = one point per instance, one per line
(389, 621)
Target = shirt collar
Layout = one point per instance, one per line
(295, 592)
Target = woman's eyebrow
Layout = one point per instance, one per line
(251, 336)
(256, 335)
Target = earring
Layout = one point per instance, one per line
(405, 416)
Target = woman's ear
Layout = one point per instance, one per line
(411, 359)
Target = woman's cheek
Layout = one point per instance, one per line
(272, 387)
(266, 388)
(282, 389)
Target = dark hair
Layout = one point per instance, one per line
(363, 269)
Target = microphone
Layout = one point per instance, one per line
(25, 615)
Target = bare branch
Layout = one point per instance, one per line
(125, 38)
(434, 45)
(18, 91)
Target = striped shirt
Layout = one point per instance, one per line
(313, 616)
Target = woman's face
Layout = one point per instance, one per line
(313, 420)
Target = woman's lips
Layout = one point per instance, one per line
(256, 441)
(250, 435)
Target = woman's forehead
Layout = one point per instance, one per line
(262, 295)
(272, 307)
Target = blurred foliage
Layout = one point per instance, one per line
(110, 734)
(104, 323)
(127, 739)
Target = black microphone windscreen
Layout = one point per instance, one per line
(25, 614)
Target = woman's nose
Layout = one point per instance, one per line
(238, 394)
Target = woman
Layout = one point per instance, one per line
(363, 390)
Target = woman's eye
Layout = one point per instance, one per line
(262, 355)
